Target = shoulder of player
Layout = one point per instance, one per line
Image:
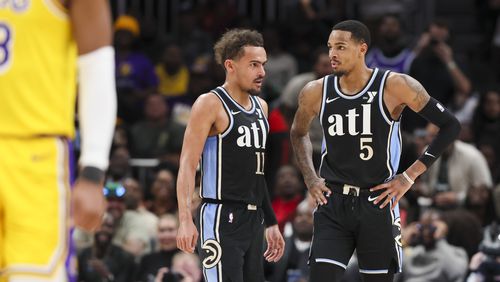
(206, 103)
(407, 90)
(312, 88)
(401, 82)
(395, 80)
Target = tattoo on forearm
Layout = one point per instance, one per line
(421, 96)
(303, 154)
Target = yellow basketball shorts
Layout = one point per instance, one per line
(34, 209)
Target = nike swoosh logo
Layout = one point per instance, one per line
(235, 112)
(328, 101)
(431, 155)
(371, 199)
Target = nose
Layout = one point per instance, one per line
(332, 54)
(262, 71)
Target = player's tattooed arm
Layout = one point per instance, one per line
(309, 105)
(410, 92)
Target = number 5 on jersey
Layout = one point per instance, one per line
(365, 144)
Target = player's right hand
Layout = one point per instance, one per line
(318, 190)
(88, 204)
(187, 235)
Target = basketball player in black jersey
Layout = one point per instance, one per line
(228, 128)
(358, 189)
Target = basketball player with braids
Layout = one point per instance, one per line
(45, 48)
(228, 128)
(358, 188)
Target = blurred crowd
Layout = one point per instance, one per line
(450, 218)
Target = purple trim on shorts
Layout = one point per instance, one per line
(72, 163)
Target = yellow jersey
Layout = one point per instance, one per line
(37, 69)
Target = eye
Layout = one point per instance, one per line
(341, 48)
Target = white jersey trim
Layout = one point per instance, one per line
(262, 109)
(359, 94)
(323, 97)
(231, 120)
(237, 104)
(381, 98)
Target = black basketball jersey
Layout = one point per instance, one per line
(232, 163)
(362, 143)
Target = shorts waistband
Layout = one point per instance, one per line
(231, 203)
(347, 189)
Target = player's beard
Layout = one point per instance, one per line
(339, 73)
(254, 92)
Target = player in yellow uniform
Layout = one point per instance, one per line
(45, 47)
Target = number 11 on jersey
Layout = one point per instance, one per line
(260, 162)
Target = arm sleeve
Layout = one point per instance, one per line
(449, 128)
(269, 216)
(97, 106)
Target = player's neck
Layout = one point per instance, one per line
(355, 80)
(240, 96)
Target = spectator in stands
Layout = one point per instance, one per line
(135, 77)
(293, 264)
(479, 201)
(172, 73)
(104, 261)
(486, 121)
(460, 167)
(436, 68)
(134, 201)
(129, 232)
(163, 191)
(150, 264)
(120, 137)
(119, 167)
(193, 41)
(185, 268)
(390, 50)
(485, 264)
(288, 192)
(464, 230)
(491, 156)
(428, 256)
(281, 66)
(289, 99)
(310, 20)
(157, 136)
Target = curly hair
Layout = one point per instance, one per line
(230, 45)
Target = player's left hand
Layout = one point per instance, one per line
(396, 188)
(275, 244)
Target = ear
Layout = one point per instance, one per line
(363, 48)
(229, 65)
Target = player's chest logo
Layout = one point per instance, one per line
(254, 135)
(339, 125)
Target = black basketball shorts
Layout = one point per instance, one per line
(353, 222)
(230, 245)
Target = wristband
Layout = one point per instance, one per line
(408, 178)
(92, 174)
